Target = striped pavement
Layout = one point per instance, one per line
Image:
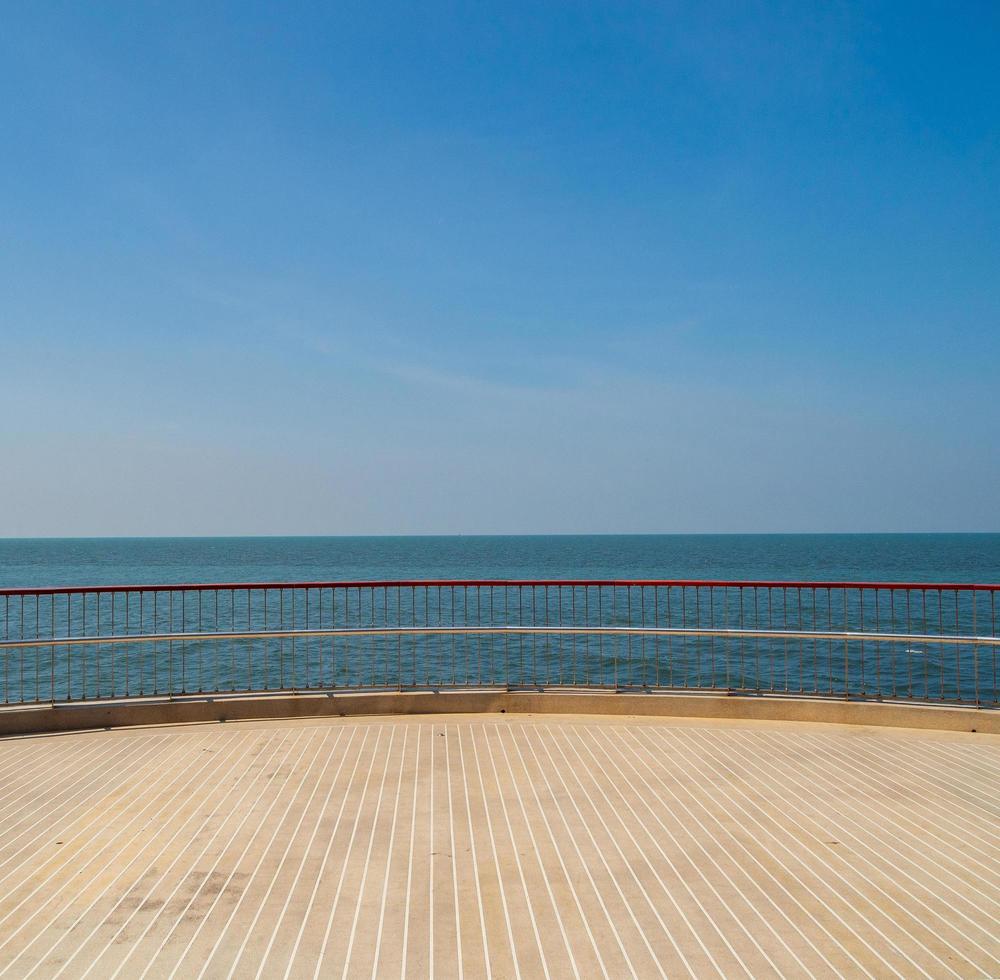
(500, 846)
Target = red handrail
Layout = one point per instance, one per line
(510, 583)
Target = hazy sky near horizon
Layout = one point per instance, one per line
(367, 267)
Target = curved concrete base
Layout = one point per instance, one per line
(194, 710)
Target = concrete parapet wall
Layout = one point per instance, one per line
(201, 709)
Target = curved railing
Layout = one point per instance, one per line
(927, 642)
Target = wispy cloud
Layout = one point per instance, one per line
(462, 383)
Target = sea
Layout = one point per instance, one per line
(40, 562)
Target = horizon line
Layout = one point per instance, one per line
(477, 534)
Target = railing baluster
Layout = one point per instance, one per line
(84, 639)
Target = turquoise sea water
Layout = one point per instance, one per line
(867, 557)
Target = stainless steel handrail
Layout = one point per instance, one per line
(852, 636)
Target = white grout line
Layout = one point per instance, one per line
(538, 857)
(107, 782)
(55, 762)
(752, 906)
(829, 867)
(799, 879)
(258, 827)
(238, 741)
(68, 851)
(96, 763)
(193, 773)
(409, 862)
(612, 876)
(863, 762)
(843, 831)
(915, 768)
(969, 756)
(839, 767)
(367, 862)
(896, 866)
(248, 932)
(322, 868)
(558, 852)
(496, 857)
(475, 859)
(843, 764)
(228, 814)
(24, 757)
(347, 857)
(388, 859)
(626, 781)
(34, 863)
(814, 855)
(454, 858)
(583, 861)
(430, 864)
(219, 807)
(517, 859)
(642, 853)
(81, 763)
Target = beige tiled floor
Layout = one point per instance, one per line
(500, 845)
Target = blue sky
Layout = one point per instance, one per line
(499, 267)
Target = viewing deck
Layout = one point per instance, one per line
(500, 779)
(500, 844)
